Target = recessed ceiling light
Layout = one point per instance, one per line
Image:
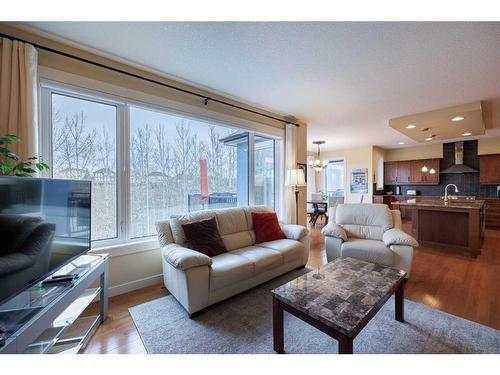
(428, 139)
(466, 134)
(401, 143)
(411, 126)
(458, 118)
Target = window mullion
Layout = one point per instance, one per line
(124, 185)
(251, 168)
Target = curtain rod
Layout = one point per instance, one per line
(185, 91)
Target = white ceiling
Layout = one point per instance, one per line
(346, 80)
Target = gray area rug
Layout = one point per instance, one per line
(243, 325)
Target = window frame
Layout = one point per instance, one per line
(123, 105)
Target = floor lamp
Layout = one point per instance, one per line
(296, 178)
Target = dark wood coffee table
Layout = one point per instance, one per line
(339, 299)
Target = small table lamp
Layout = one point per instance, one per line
(296, 178)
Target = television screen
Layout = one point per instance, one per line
(44, 224)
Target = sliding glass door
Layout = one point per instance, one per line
(264, 171)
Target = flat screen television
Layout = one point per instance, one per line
(44, 224)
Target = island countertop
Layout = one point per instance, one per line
(440, 203)
(456, 225)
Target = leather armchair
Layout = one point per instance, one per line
(370, 232)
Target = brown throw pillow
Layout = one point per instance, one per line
(204, 236)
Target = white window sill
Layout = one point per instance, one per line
(128, 248)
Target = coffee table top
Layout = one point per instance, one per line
(344, 294)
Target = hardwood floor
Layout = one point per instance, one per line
(453, 283)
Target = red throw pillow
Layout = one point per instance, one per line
(267, 227)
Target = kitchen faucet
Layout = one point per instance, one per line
(446, 191)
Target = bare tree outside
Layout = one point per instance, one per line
(175, 145)
(165, 151)
(84, 147)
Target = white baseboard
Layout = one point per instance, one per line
(134, 285)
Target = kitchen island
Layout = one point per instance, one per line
(453, 225)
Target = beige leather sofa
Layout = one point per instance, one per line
(198, 281)
(370, 232)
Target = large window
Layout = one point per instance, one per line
(179, 165)
(147, 164)
(84, 148)
(335, 178)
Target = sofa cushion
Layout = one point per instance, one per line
(165, 236)
(231, 220)
(262, 258)
(377, 215)
(203, 236)
(176, 222)
(229, 268)
(363, 231)
(290, 250)
(238, 240)
(369, 251)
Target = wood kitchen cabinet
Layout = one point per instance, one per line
(492, 214)
(410, 172)
(432, 178)
(417, 176)
(404, 172)
(489, 169)
(391, 173)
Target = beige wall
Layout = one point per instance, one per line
(487, 146)
(355, 158)
(415, 153)
(133, 270)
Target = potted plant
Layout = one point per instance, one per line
(12, 165)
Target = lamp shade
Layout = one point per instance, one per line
(295, 177)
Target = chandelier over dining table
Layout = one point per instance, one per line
(318, 164)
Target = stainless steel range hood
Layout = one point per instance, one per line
(459, 166)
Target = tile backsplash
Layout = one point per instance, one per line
(468, 183)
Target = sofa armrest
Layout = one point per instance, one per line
(294, 232)
(398, 237)
(183, 258)
(334, 230)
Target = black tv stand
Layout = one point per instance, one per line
(51, 318)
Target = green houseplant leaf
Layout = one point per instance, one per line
(9, 139)
(10, 164)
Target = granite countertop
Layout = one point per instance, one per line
(342, 293)
(440, 203)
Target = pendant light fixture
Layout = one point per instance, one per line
(317, 164)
